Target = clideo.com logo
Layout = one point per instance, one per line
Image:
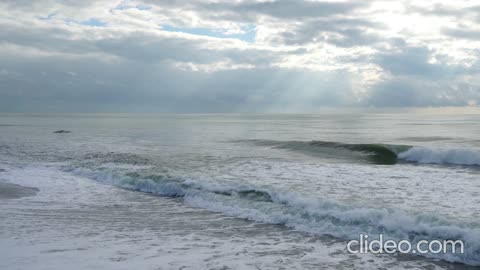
(380, 246)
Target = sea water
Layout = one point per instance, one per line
(236, 191)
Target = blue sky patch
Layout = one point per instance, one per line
(93, 22)
(90, 22)
(248, 36)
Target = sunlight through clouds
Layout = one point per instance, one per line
(420, 53)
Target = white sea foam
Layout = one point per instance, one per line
(77, 223)
(304, 213)
(320, 217)
(457, 156)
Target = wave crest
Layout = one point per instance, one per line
(383, 154)
(457, 156)
(303, 213)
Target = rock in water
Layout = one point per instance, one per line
(14, 191)
(62, 131)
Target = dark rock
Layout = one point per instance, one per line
(62, 131)
(14, 191)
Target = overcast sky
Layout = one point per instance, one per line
(237, 56)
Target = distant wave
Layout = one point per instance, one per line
(384, 154)
(314, 215)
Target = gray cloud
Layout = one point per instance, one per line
(93, 85)
(445, 10)
(249, 10)
(343, 32)
(414, 61)
(462, 33)
(416, 82)
(408, 92)
(309, 54)
(289, 9)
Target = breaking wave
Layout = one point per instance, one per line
(309, 214)
(384, 154)
(457, 156)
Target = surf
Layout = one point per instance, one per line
(378, 153)
(267, 204)
(453, 156)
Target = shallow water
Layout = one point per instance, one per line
(237, 191)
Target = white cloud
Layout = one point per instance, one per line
(310, 53)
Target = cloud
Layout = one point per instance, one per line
(418, 62)
(441, 9)
(409, 92)
(184, 56)
(251, 10)
(100, 86)
(463, 33)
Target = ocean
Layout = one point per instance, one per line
(236, 191)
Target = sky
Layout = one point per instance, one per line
(238, 55)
